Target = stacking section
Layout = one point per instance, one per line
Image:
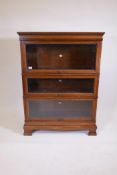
(60, 76)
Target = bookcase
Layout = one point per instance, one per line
(60, 77)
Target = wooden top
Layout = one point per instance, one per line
(61, 36)
(60, 33)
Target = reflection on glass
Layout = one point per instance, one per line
(60, 109)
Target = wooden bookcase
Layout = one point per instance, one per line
(60, 75)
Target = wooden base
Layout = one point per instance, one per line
(27, 134)
(90, 133)
(28, 129)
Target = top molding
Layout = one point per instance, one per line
(61, 36)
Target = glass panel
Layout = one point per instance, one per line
(61, 56)
(77, 85)
(60, 109)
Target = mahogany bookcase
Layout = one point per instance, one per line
(60, 75)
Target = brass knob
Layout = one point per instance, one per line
(60, 55)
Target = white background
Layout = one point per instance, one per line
(51, 153)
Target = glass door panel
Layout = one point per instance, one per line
(61, 56)
(60, 109)
(64, 85)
